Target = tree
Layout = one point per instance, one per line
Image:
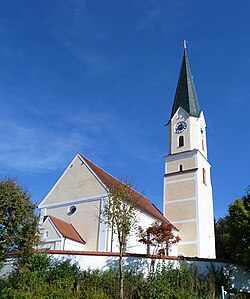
(18, 224)
(233, 233)
(160, 236)
(120, 215)
(219, 226)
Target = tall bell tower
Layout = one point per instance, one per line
(188, 201)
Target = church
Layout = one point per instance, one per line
(70, 214)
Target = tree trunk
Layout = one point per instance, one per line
(121, 273)
(152, 267)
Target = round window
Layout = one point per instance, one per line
(72, 210)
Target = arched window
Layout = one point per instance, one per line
(203, 146)
(204, 176)
(181, 141)
(180, 167)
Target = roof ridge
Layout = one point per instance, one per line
(116, 178)
(109, 180)
(100, 168)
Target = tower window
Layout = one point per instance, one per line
(180, 167)
(204, 176)
(203, 146)
(181, 141)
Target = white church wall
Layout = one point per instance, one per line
(49, 245)
(195, 129)
(133, 245)
(144, 220)
(52, 244)
(205, 210)
(73, 245)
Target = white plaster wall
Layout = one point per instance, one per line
(73, 245)
(56, 244)
(133, 245)
(205, 210)
(144, 220)
(48, 245)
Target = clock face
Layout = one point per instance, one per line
(180, 126)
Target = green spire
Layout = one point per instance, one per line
(185, 95)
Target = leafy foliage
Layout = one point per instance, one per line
(64, 279)
(219, 244)
(119, 212)
(18, 225)
(120, 216)
(219, 277)
(160, 236)
(233, 234)
(184, 282)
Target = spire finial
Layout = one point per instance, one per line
(185, 44)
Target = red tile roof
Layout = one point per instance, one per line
(66, 229)
(140, 200)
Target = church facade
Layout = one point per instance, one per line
(71, 213)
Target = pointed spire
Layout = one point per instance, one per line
(185, 95)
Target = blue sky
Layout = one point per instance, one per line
(99, 77)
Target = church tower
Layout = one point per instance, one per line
(188, 201)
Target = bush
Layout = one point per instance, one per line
(219, 277)
(44, 277)
(171, 282)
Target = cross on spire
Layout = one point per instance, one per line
(185, 44)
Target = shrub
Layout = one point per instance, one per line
(218, 277)
(47, 278)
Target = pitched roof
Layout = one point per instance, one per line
(140, 200)
(185, 95)
(66, 229)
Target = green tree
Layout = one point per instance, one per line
(18, 224)
(219, 233)
(120, 215)
(233, 233)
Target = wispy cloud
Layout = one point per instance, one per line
(29, 143)
(79, 35)
(35, 139)
(34, 148)
(167, 15)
